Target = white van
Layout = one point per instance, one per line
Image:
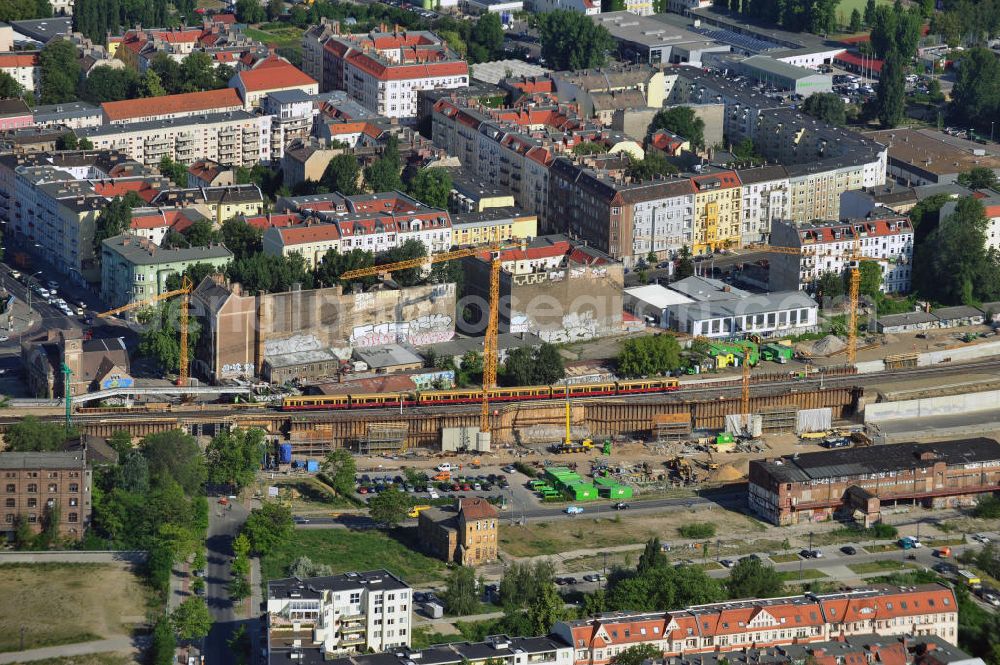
(445, 467)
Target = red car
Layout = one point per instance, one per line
(466, 487)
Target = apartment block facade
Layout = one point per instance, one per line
(828, 247)
(744, 624)
(37, 486)
(766, 198)
(717, 203)
(384, 71)
(234, 137)
(340, 614)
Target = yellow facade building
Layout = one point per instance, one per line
(717, 203)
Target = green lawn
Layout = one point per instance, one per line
(423, 638)
(345, 550)
(787, 557)
(883, 565)
(282, 35)
(806, 574)
(845, 7)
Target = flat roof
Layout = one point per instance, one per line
(66, 111)
(48, 460)
(703, 289)
(649, 31)
(44, 29)
(497, 70)
(139, 253)
(769, 65)
(312, 587)
(906, 318)
(388, 355)
(847, 462)
(658, 296)
(934, 152)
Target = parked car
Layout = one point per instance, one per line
(573, 510)
(849, 550)
(806, 554)
(621, 505)
(728, 563)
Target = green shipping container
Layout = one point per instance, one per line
(582, 492)
(605, 481)
(616, 492)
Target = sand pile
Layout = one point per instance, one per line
(827, 345)
(726, 473)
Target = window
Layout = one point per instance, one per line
(74, 487)
(11, 503)
(74, 517)
(11, 488)
(32, 488)
(32, 503)
(8, 518)
(73, 501)
(53, 488)
(32, 518)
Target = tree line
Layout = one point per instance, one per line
(816, 16)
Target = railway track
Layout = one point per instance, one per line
(689, 391)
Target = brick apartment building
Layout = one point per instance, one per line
(36, 483)
(466, 533)
(856, 482)
(763, 623)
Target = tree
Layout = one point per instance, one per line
(60, 72)
(9, 88)
(304, 567)
(975, 98)
(250, 11)
(240, 238)
(340, 467)
(168, 71)
(109, 84)
(23, 536)
(382, 175)
(270, 273)
(114, 219)
(826, 106)
(649, 356)
(869, 12)
(234, 456)
(979, 177)
(432, 187)
(751, 578)
(522, 583)
(589, 148)
(334, 264)
(525, 367)
(163, 646)
(871, 279)
(895, 30)
(545, 610)
(121, 441)
(32, 435)
(652, 165)
(683, 121)
(274, 9)
(571, 40)
(191, 619)
(855, 25)
(67, 141)
(454, 42)
(411, 249)
(85, 144)
(460, 596)
(652, 556)
(174, 455)
(268, 526)
(150, 85)
(176, 171)
(891, 99)
(161, 337)
(487, 33)
(685, 265)
(637, 654)
(341, 174)
(389, 507)
(830, 285)
(133, 472)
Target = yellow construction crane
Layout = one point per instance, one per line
(492, 324)
(185, 292)
(854, 261)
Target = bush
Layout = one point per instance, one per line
(697, 530)
(525, 469)
(988, 507)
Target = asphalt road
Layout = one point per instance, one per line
(224, 524)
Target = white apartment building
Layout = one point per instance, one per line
(662, 224)
(235, 138)
(766, 198)
(828, 246)
(23, 68)
(384, 71)
(991, 208)
(349, 613)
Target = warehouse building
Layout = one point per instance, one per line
(854, 483)
(783, 76)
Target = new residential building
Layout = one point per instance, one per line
(828, 247)
(743, 624)
(133, 268)
(384, 71)
(339, 614)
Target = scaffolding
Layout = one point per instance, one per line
(671, 427)
(778, 419)
(384, 437)
(901, 361)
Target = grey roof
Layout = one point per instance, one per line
(758, 174)
(704, 289)
(312, 587)
(150, 255)
(768, 65)
(44, 29)
(14, 107)
(301, 358)
(495, 646)
(388, 355)
(906, 319)
(495, 71)
(68, 111)
(462, 345)
(957, 312)
(52, 460)
(488, 217)
(848, 462)
(747, 306)
(649, 31)
(195, 120)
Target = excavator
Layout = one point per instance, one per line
(682, 467)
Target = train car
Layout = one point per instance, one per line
(647, 386)
(311, 402)
(520, 393)
(458, 396)
(375, 400)
(584, 390)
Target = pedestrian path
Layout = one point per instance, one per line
(119, 644)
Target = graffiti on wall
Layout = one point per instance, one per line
(277, 347)
(575, 326)
(238, 369)
(433, 379)
(427, 329)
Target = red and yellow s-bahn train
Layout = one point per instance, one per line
(467, 396)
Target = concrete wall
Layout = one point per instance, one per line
(971, 352)
(932, 406)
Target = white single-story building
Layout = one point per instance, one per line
(650, 302)
(767, 315)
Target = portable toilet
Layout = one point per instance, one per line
(312, 466)
(285, 453)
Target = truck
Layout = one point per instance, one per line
(563, 448)
(970, 579)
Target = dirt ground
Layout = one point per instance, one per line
(67, 603)
(585, 532)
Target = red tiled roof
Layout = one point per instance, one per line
(854, 59)
(477, 508)
(281, 220)
(143, 189)
(175, 219)
(275, 78)
(11, 60)
(727, 179)
(868, 227)
(302, 234)
(394, 72)
(188, 102)
(226, 19)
